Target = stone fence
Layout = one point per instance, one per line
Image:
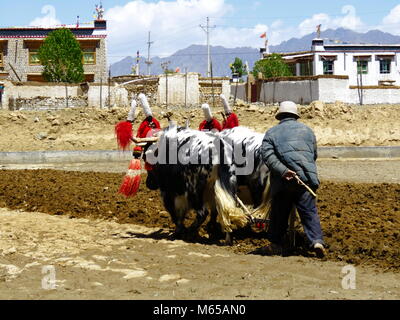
(175, 89)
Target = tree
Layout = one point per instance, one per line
(271, 67)
(61, 57)
(238, 68)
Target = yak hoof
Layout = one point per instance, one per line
(228, 239)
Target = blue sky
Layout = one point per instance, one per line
(175, 23)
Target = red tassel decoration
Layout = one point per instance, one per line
(123, 131)
(131, 182)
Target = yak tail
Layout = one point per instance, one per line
(230, 216)
(263, 210)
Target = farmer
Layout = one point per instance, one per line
(230, 119)
(210, 123)
(147, 125)
(289, 149)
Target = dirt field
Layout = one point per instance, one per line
(104, 246)
(93, 129)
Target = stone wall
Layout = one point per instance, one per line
(40, 95)
(208, 89)
(46, 103)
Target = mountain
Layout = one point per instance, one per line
(341, 35)
(194, 57)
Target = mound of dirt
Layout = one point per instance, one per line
(93, 129)
(360, 221)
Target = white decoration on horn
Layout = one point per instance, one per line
(131, 114)
(145, 105)
(226, 104)
(207, 112)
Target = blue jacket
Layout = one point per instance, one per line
(290, 145)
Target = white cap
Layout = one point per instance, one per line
(131, 114)
(207, 111)
(145, 105)
(226, 104)
(287, 107)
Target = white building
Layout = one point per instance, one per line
(352, 73)
(364, 64)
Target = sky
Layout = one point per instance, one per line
(175, 24)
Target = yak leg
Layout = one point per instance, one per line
(177, 215)
(228, 239)
(201, 216)
(213, 228)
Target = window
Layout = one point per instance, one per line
(328, 66)
(384, 65)
(1, 59)
(292, 68)
(89, 56)
(362, 66)
(34, 58)
(306, 68)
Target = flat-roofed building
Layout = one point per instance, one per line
(364, 64)
(19, 46)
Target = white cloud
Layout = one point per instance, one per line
(173, 25)
(49, 19)
(391, 22)
(393, 17)
(349, 20)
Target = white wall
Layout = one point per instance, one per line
(176, 89)
(331, 90)
(327, 90)
(94, 94)
(374, 96)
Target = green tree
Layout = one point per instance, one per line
(237, 67)
(272, 66)
(61, 57)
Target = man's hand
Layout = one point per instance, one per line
(289, 175)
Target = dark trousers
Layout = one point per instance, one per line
(282, 204)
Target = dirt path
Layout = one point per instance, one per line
(341, 170)
(99, 259)
(93, 129)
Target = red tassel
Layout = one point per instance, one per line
(131, 182)
(123, 131)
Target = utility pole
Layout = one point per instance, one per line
(207, 31)
(148, 61)
(186, 74)
(137, 63)
(164, 66)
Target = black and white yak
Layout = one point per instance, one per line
(202, 171)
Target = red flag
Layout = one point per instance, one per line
(177, 70)
(264, 35)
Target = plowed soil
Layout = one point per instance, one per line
(360, 221)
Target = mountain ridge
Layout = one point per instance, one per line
(194, 57)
